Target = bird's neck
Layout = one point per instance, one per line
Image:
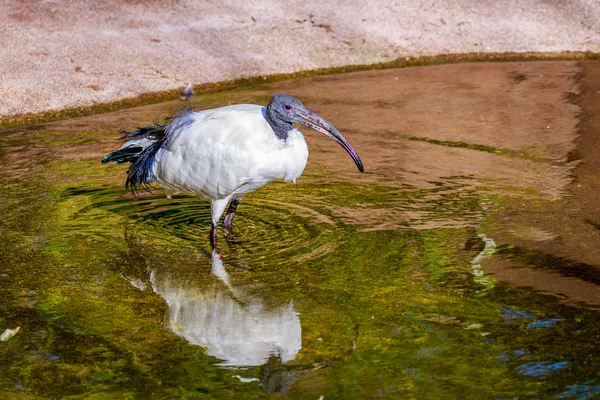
(280, 127)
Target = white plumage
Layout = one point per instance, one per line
(222, 154)
(228, 152)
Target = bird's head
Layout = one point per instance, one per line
(288, 110)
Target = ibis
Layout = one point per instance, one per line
(224, 153)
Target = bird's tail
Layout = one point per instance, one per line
(127, 154)
(140, 150)
(142, 146)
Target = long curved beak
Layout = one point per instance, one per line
(313, 121)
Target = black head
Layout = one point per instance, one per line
(283, 110)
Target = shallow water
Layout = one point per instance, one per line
(462, 264)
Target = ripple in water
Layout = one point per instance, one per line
(264, 227)
(280, 222)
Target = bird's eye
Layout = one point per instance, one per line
(287, 107)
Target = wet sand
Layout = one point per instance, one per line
(562, 235)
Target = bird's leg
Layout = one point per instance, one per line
(213, 236)
(228, 221)
(216, 208)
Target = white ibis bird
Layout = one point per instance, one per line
(224, 153)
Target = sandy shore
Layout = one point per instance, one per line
(58, 54)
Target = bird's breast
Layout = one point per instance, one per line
(287, 160)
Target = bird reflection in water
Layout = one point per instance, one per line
(232, 325)
(229, 321)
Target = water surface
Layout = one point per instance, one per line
(463, 264)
